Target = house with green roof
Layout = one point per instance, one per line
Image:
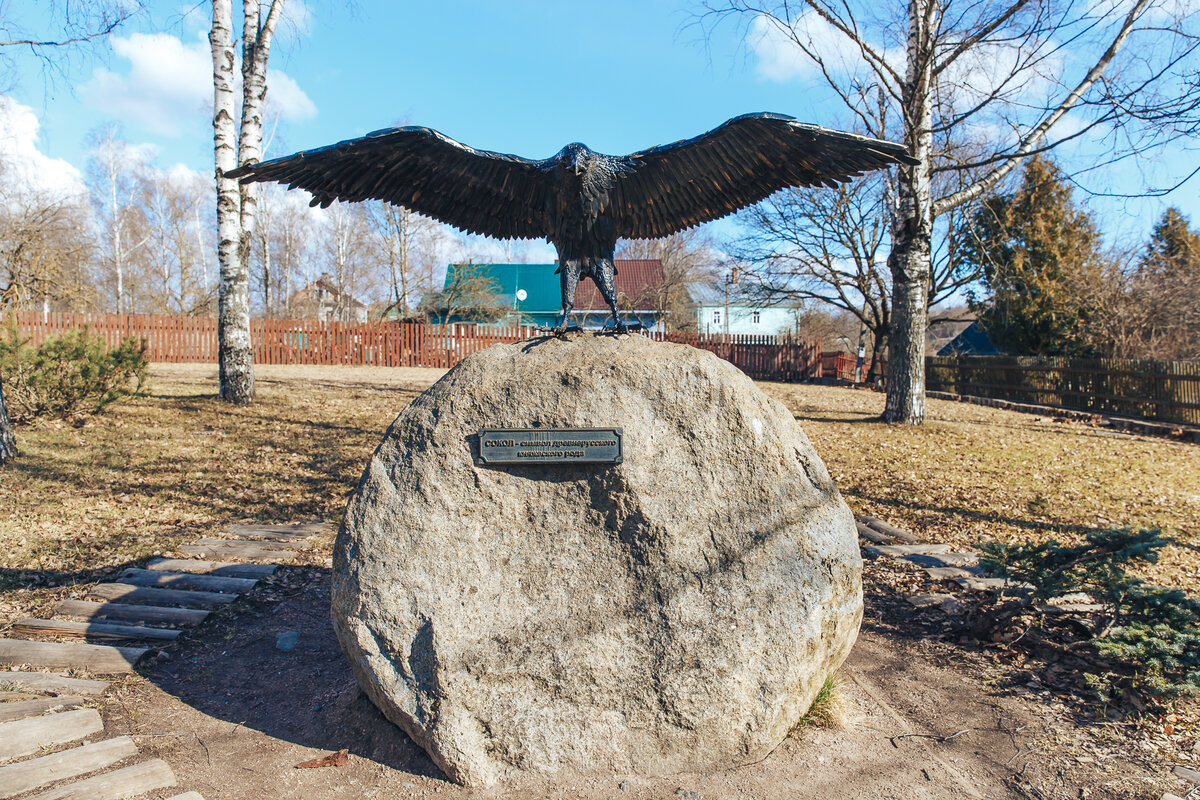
(533, 294)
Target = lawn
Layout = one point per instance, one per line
(178, 463)
(972, 473)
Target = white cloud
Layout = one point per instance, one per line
(295, 21)
(781, 59)
(181, 174)
(287, 99)
(1028, 74)
(168, 85)
(458, 247)
(25, 168)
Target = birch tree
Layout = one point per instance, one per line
(972, 89)
(175, 279)
(402, 241)
(828, 247)
(237, 145)
(116, 175)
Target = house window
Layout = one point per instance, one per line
(716, 317)
(755, 318)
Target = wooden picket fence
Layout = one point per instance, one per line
(1153, 390)
(390, 343)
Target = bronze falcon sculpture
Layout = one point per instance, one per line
(580, 200)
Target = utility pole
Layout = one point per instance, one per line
(862, 352)
(731, 278)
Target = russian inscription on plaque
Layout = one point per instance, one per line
(550, 445)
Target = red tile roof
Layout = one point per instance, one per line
(633, 277)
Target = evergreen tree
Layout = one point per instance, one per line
(1174, 248)
(1165, 291)
(1035, 249)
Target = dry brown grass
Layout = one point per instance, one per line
(178, 463)
(831, 709)
(148, 474)
(972, 473)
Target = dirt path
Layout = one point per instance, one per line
(233, 715)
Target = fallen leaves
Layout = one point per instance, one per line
(338, 759)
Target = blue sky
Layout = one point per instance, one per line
(519, 76)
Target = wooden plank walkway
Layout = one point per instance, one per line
(280, 533)
(142, 604)
(28, 736)
(32, 708)
(186, 580)
(24, 737)
(46, 682)
(880, 526)
(898, 550)
(230, 548)
(25, 776)
(229, 569)
(99, 658)
(31, 626)
(209, 541)
(131, 613)
(124, 593)
(117, 785)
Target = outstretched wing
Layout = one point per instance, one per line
(745, 160)
(423, 170)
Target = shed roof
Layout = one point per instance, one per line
(972, 341)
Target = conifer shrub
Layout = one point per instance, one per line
(68, 378)
(1146, 639)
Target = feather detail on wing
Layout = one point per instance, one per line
(747, 159)
(423, 170)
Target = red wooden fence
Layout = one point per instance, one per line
(839, 366)
(390, 344)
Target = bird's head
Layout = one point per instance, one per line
(574, 157)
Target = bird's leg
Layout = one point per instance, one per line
(605, 279)
(561, 327)
(569, 280)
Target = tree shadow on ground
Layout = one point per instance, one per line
(866, 417)
(34, 578)
(972, 514)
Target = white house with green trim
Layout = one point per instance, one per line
(739, 315)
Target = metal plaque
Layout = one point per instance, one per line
(550, 445)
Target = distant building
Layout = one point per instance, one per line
(740, 315)
(324, 300)
(943, 331)
(972, 341)
(534, 295)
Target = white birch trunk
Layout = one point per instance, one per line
(912, 231)
(114, 233)
(404, 220)
(254, 89)
(341, 236)
(256, 48)
(264, 245)
(287, 258)
(236, 365)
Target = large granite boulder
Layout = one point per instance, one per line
(678, 611)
